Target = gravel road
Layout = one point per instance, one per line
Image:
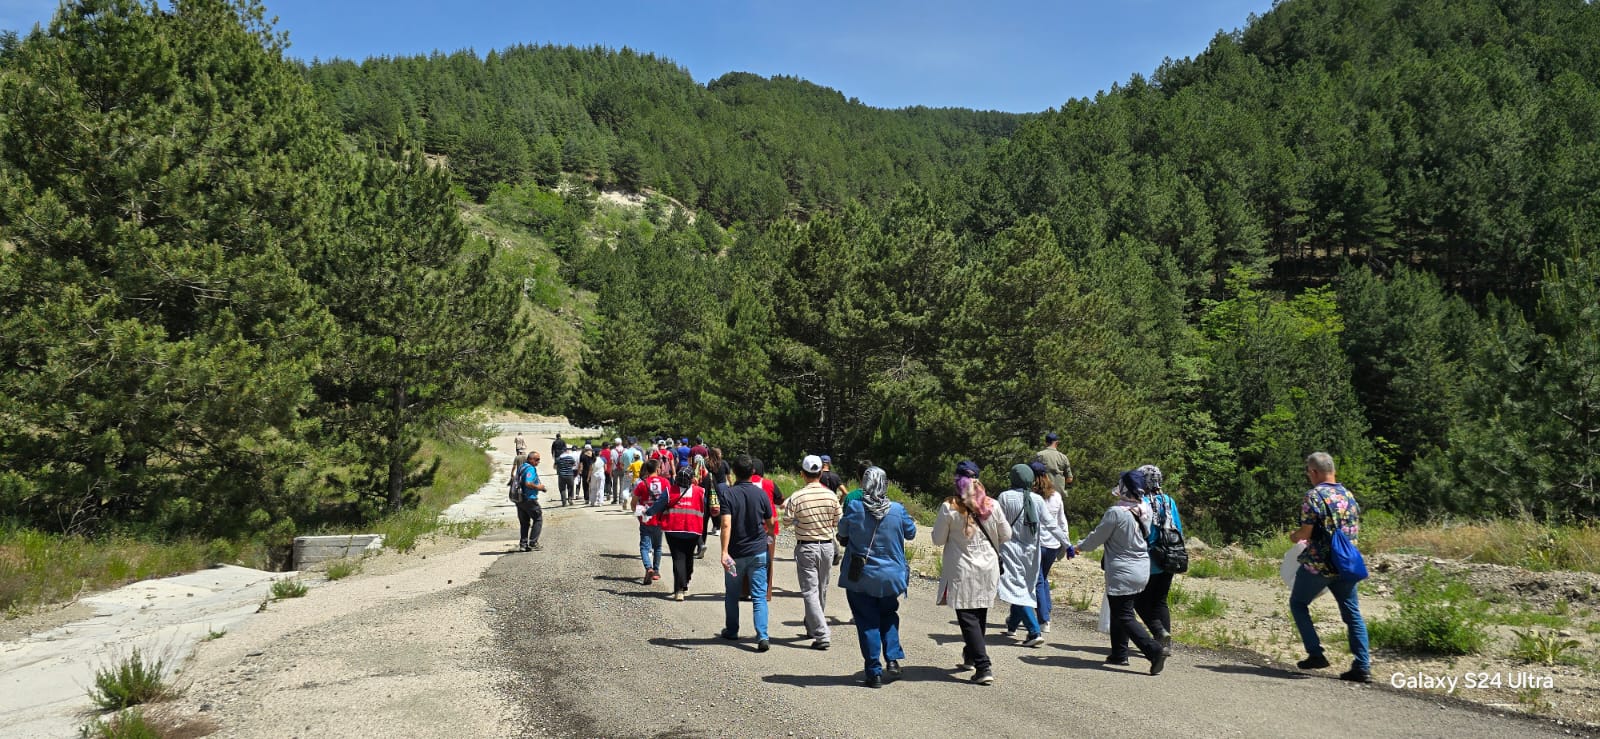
(473, 639)
(595, 653)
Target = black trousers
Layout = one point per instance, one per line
(530, 515)
(682, 547)
(1125, 625)
(1152, 604)
(974, 622)
(565, 484)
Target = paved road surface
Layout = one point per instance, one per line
(595, 653)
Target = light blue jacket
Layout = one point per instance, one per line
(885, 573)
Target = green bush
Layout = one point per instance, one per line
(1209, 605)
(287, 588)
(1436, 617)
(1204, 568)
(343, 568)
(1543, 647)
(126, 725)
(130, 682)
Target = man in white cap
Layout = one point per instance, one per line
(812, 512)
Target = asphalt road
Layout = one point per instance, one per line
(592, 652)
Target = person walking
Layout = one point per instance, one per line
(771, 488)
(682, 515)
(614, 472)
(830, 479)
(566, 473)
(1327, 505)
(813, 513)
(587, 460)
(970, 573)
(645, 494)
(1151, 605)
(1019, 576)
(708, 483)
(875, 531)
(558, 447)
(748, 519)
(1127, 564)
(1056, 464)
(1050, 544)
(522, 445)
(530, 518)
(597, 480)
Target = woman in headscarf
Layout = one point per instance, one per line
(1127, 564)
(1050, 542)
(874, 576)
(971, 535)
(1023, 510)
(1152, 601)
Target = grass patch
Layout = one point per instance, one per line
(214, 634)
(288, 588)
(130, 682)
(1207, 606)
(1516, 542)
(1531, 618)
(38, 567)
(1436, 616)
(1178, 595)
(1081, 601)
(342, 568)
(1204, 568)
(1544, 647)
(147, 723)
(463, 468)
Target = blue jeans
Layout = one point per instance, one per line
(650, 547)
(1024, 616)
(753, 568)
(1047, 557)
(877, 628)
(1307, 587)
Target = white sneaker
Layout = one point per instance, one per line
(1011, 633)
(964, 666)
(1034, 641)
(1047, 627)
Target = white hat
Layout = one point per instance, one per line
(812, 464)
(617, 440)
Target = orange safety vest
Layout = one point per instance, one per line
(686, 513)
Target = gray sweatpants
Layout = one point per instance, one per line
(813, 561)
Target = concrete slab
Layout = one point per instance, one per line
(44, 678)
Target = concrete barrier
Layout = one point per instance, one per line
(310, 550)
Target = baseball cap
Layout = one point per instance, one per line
(812, 464)
(967, 468)
(827, 459)
(588, 447)
(1052, 436)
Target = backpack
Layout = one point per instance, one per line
(516, 485)
(1169, 551)
(1343, 557)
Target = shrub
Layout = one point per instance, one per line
(343, 568)
(1435, 617)
(132, 681)
(287, 588)
(1544, 647)
(1209, 605)
(126, 725)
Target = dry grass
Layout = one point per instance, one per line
(38, 567)
(1516, 542)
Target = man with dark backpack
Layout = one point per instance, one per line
(1168, 556)
(1330, 522)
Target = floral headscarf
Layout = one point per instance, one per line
(875, 491)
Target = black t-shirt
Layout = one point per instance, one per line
(750, 509)
(831, 481)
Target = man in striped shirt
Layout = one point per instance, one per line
(812, 513)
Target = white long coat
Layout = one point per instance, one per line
(971, 572)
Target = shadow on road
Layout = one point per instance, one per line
(617, 578)
(687, 644)
(912, 673)
(1076, 663)
(1262, 670)
(995, 639)
(614, 555)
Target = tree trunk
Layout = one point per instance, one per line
(397, 450)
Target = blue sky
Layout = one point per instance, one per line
(1015, 55)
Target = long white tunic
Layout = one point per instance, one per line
(1020, 575)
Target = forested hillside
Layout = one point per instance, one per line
(743, 148)
(237, 290)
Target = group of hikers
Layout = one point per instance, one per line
(994, 547)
